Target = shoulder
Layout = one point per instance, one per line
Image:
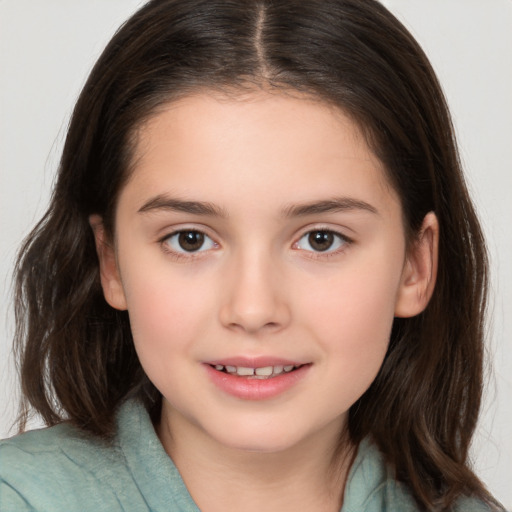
(46, 441)
(372, 487)
(63, 469)
(60, 468)
(468, 504)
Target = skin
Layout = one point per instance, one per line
(257, 287)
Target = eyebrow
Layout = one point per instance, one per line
(336, 204)
(166, 203)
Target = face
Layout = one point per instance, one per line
(260, 253)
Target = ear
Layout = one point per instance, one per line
(420, 270)
(109, 271)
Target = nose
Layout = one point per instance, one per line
(255, 295)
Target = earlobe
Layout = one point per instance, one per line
(109, 271)
(420, 270)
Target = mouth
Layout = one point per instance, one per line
(260, 373)
(256, 378)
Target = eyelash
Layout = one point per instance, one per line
(183, 254)
(343, 240)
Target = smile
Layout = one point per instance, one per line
(260, 380)
(264, 372)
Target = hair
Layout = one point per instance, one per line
(76, 356)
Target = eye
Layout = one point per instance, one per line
(189, 241)
(321, 240)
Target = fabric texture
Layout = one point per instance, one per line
(61, 469)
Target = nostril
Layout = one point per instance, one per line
(253, 310)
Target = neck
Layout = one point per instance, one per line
(219, 478)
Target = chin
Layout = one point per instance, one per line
(258, 439)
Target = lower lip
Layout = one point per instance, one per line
(256, 389)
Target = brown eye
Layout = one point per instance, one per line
(321, 240)
(189, 241)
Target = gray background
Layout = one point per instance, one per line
(47, 49)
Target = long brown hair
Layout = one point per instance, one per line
(77, 360)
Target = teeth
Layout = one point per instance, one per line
(244, 372)
(265, 371)
(278, 369)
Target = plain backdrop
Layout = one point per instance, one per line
(48, 47)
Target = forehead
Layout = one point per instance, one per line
(218, 114)
(288, 146)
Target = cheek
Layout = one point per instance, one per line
(165, 316)
(355, 302)
(352, 320)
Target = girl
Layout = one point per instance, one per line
(260, 282)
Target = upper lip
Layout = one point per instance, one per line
(254, 362)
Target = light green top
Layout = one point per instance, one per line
(61, 469)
